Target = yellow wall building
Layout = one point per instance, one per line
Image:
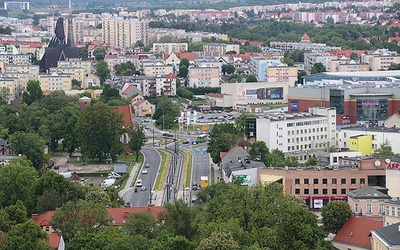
(361, 143)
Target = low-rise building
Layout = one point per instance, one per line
(204, 77)
(143, 108)
(387, 237)
(368, 201)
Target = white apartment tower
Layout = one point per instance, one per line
(123, 33)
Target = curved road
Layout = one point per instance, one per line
(141, 198)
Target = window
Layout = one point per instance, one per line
(334, 181)
(306, 191)
(315, 181)
(353, 181)
(343, 181)
(387, 210)
(369, 209)
(296, 181)
(343, 191)
(324, 191)
(306, 181)
(398, 212)
(324, 181)
(362, 181)
(381, 208)
(297, 191)
(47, 229)
(356, 208)
(315, 190)
(334, 191)
(393, 212)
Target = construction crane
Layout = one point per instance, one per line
(52, 7)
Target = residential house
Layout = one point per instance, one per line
(56, 241)
(118, 215)
(368, 201)
(94, 93)
(130, 91)
(392, 212)
(386, 237)
(136, 98)
(91, 81)
(144, 107)
(355, 234)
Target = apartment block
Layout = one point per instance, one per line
(123, 33)
(221, 48)
(258, 66)
(204, 77)
(168, 48)
(311, 58)
(380, 60)
(10, 83)
(15, 59)
(299, 134)
(158, 69)
(78, 63)
(281, 73)
(156, 84)
(31, 70)
(54, 81)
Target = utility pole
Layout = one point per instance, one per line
(150, 195)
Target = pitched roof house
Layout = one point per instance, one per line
(386, 237)
(355, 233)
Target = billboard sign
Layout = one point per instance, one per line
(188, 118)
(264, 94)
(294, 106)
(195, 116)
(246, 178)
(318, 203)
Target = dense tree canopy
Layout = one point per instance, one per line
(138, 140)
(33, 92)
(98, 130)
(223, 137)
(102, 71)
(335, 215)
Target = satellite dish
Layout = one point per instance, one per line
(387, 161)
(377, 164)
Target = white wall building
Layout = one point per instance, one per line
(300, 134)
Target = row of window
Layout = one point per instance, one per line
(300, 131)
(393, 211)
(324, 191)
(368, 208)
(334, 181)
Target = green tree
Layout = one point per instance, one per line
(335, 215)
(79, 218)
(98, 130)
(384, 151)
(99, 53)
(354, 56)
(311, 161)
(300, 75)
(97, 195)
(102, 71)
(183, 71)
(27, 235)
(318, 68)
(223, 137)
(394, 66)
(182, 92)
(178, 219)
(12, 215)
(137, 140)
(251, 78)
(109, 93)
(142, 223)
(259, 151)
(330, 20)
(218, 240)
(15, 183)
(50, 191)
(228, 69)
(30, 145)
(33, 92)
(5, 95)
(184, 62)
(83, 52)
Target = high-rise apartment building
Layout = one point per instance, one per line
(123, 33)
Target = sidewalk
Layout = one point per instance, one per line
(128, 187)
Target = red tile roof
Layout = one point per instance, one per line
(171, 75)
(30, 44)
(188, 55)
(139, 102)
(127, 114)
(223, 154)
(356, 232)
(126, 91)
(43, 219)
(305, 37)
(121, 214)
(54, 240)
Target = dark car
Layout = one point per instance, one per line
(135, 190)
(185, 142)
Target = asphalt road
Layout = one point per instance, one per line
(141, 198)
(201, 167)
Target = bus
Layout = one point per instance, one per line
(201, 138)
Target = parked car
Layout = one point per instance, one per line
(107, 183)
(114, 175)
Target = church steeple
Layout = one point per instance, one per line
(70, 36)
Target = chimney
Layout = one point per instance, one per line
(126, 214)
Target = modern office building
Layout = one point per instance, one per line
(123, 33)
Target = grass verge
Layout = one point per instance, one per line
(188, 169)
(212, 181)
(163, 169)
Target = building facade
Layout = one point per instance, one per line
(204, 77)
(123, 33)
(168, 48)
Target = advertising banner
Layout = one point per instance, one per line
(180, 120)
(318, 203)
(294, 106)
(188, 118)
(195, 116)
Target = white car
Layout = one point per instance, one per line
(114, 175)
(139, 183)
(144, 171)
(143, 188)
